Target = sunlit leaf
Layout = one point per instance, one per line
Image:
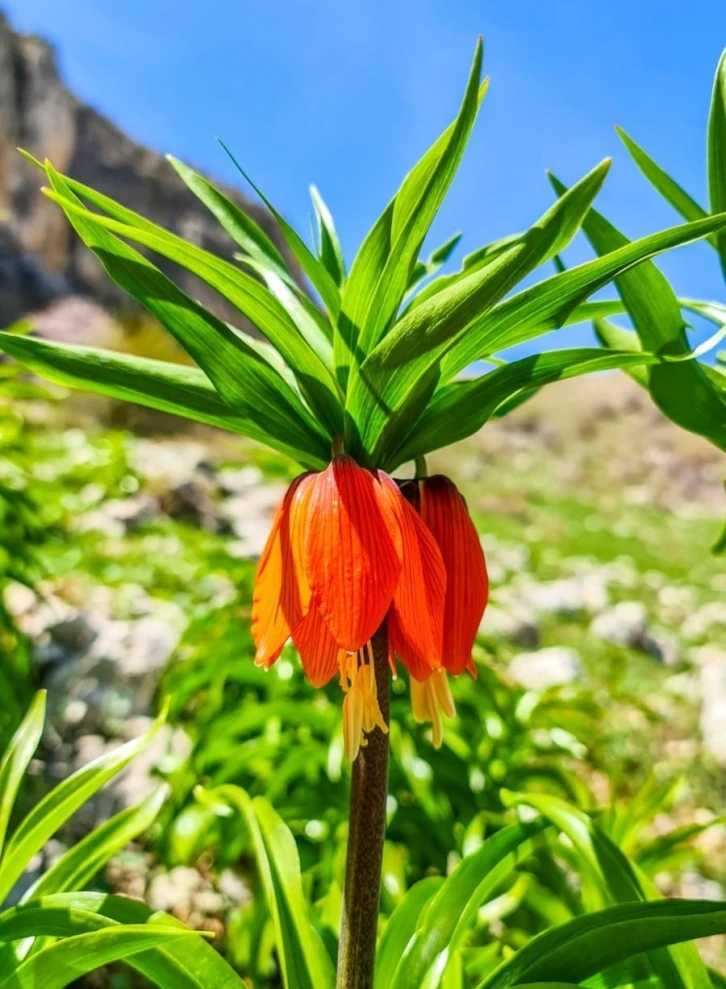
(174, 388)
(681, 390)
(717, 152)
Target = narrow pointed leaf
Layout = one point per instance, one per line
(54, 809)
(617, 880)
(415, 207)
(617, 338)
(717, 152)
(240, 226)
(64, 962)
(313, 268)
(587, 945)
(243, 380)
(437, 258)
(188, 963)
(524, 315)
(394, 384)
(401, 927)
(462, 407)
(382, 267)
(84, 860)
(15, 760)
(451, 911)
(681, 390)
(174, 388)
(304, 961)
(331, 253)
(666, 186)
(252, 299)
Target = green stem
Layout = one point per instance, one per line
(366, 832)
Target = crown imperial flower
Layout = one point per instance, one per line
(347, 551)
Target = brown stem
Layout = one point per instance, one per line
(366, 832)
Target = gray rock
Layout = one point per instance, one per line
(116, 676)
(238, 481)
(513, 624)
(664, 647)
(698, 624)
(569, 597)
(712, 678)
(168, 890)
(624, 624)
(166, 464)
(40, 256)
(193, 501)
(74, 633)
(551, 667)
(118, 516)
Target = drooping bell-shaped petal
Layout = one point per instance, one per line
(352, 552)
(320, 654)
(281, 594)
(445, 513)
(416, 618)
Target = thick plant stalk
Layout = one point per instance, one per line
(366, 832)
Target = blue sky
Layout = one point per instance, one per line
(348, 93)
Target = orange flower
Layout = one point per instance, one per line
(347, 551)
(445, 514)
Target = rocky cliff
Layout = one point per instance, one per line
(41, 259)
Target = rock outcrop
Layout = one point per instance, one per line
(41, 259)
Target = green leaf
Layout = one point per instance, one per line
(306, 316)
(392, 387)
(588, 944)
(240, 226)
(331, 253)
(522, 316)
(613, 878)
(173, 388)
(719, 547)
(462, 407)
(54, 809)
(251, 298)
(437, 258)
(15, 760)
(313, 268)
(401, 927)
(243, 380)
(472, 262)
(665, 185)
(682, 391)
(86, 858)
(415, 206)
(451, 911)
(717, 152)
(714, 312)
(67, 960)
(617, 338)
(383, 265)
(303, 959)
(189, 963)
(246, 293)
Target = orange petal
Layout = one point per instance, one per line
(467, 586)
(281, 595)
(417, 614)
(352, 552)
(319, 652)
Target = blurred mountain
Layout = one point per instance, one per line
(41, 259)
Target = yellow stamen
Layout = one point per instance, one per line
(352, 723)
(429, 700)
(361, 711)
